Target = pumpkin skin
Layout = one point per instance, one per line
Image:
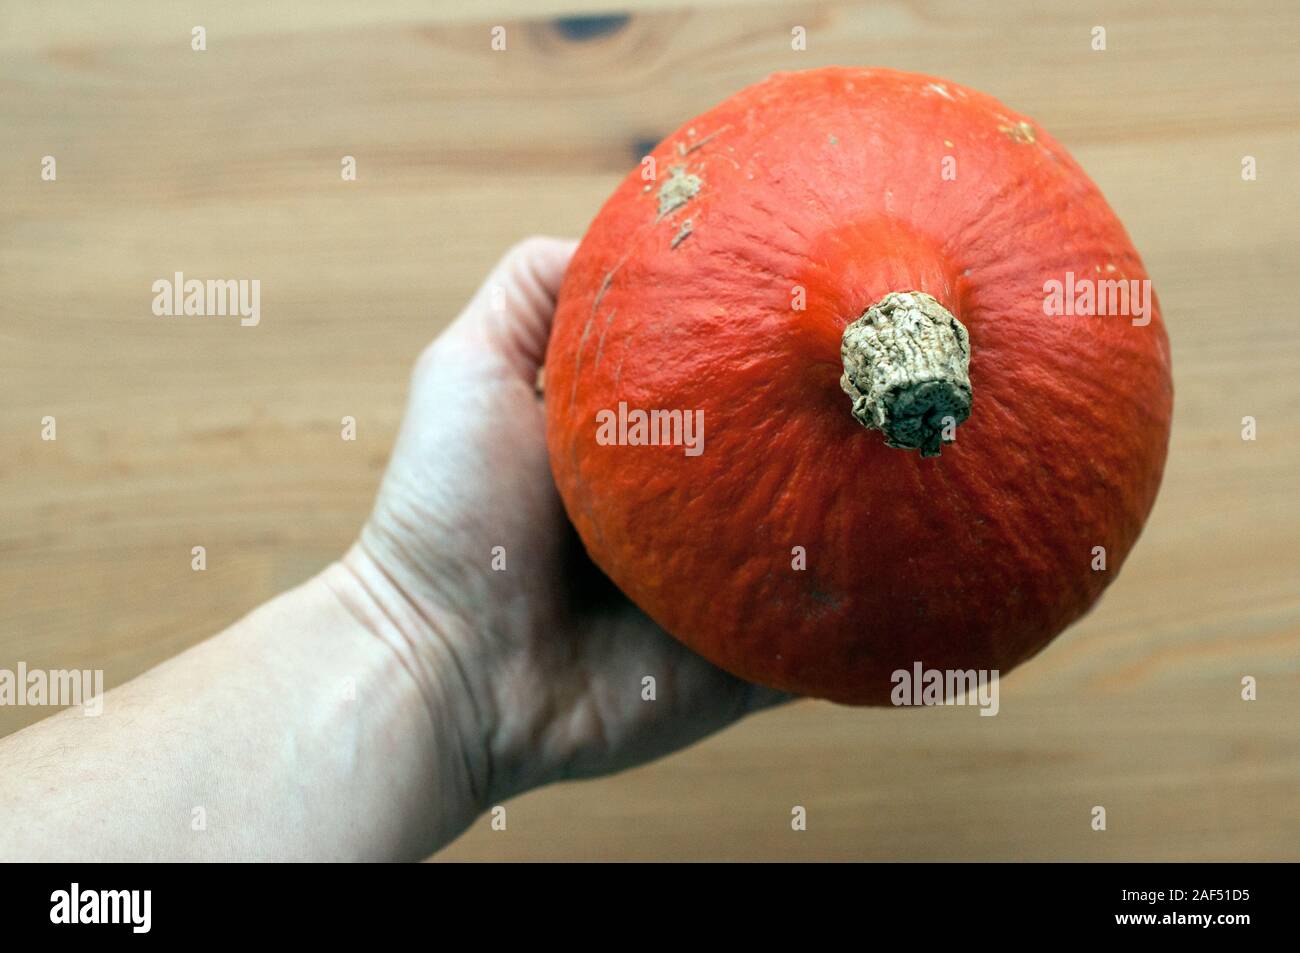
(684, 295)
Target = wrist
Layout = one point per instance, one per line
(412, 659)
(473, 644)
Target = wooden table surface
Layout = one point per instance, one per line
(173, 434)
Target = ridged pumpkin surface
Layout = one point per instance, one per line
(724, 285)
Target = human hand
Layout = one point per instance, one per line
(540, 664)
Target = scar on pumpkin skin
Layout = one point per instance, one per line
(577, 361)
(586, 329)
(682, 235)
(1020, 132)
(678, 189)
(685, 150)
(600, 344)
(618, 371)
(604, 286)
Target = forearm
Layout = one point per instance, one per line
(304, 731)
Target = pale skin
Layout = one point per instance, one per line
(377, 710)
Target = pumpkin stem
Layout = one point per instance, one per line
(906, 364)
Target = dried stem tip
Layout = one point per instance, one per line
(906, 366)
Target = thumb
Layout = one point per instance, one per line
(510, 314)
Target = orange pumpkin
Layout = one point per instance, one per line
(824, 395)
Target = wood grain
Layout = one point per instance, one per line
(175, 433)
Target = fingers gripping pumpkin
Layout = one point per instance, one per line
(915, 422)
